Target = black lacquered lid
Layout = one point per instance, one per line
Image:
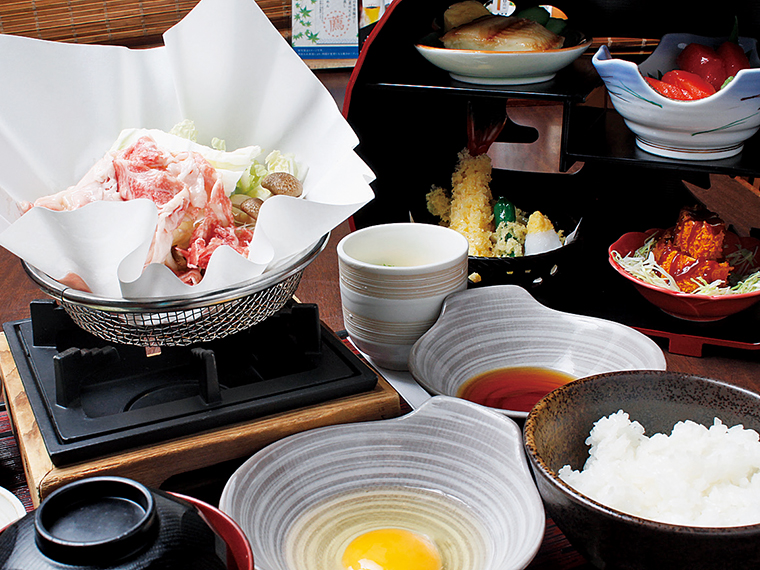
(96, 519)
(114, 523)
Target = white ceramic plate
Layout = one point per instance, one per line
(501, 67)
(11, 509)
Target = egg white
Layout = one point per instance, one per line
(317, 540)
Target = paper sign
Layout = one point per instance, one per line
(326, 29)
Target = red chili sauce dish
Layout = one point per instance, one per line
(516, 388)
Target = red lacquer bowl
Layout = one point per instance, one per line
(239, 553)
(688, 306)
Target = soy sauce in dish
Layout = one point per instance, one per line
(516, 388)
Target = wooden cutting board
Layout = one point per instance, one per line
(153, 465)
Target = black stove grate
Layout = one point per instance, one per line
(92, 398)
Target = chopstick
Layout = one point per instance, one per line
(621, 45)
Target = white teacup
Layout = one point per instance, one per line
(393, 280)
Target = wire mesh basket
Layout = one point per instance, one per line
(180, 321)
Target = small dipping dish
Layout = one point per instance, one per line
(504, 327)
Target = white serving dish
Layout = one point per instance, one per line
(11, 508)
(501, 67)
(712, 128)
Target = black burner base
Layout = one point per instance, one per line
(91, 398)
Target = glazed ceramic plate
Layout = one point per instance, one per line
(686, 306)
(705, 129)
(504, 326)
(500, 67)
(451, 470)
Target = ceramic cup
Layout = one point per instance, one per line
(393, 280)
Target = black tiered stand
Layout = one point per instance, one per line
(411, 120)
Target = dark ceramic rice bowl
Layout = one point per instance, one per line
(555, 433)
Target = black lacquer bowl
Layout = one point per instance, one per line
(531, 271)
(555, 433)
(113, 523)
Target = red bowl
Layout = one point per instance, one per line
(687, 306)
(239, 553)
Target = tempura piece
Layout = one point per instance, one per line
(509, 237)
(472, 202)
(439, 204)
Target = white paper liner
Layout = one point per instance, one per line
(226, 68)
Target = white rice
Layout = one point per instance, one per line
(696, 476)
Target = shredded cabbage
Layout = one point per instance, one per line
(641, 264)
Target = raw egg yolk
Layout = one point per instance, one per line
(391, 549)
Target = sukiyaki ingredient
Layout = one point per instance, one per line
(695, 476)
(251, 207)
(194, 213)
(698, 255)
(283, 184)
(502, 33)
(189, 184)
(250, 181)
(541, 236)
